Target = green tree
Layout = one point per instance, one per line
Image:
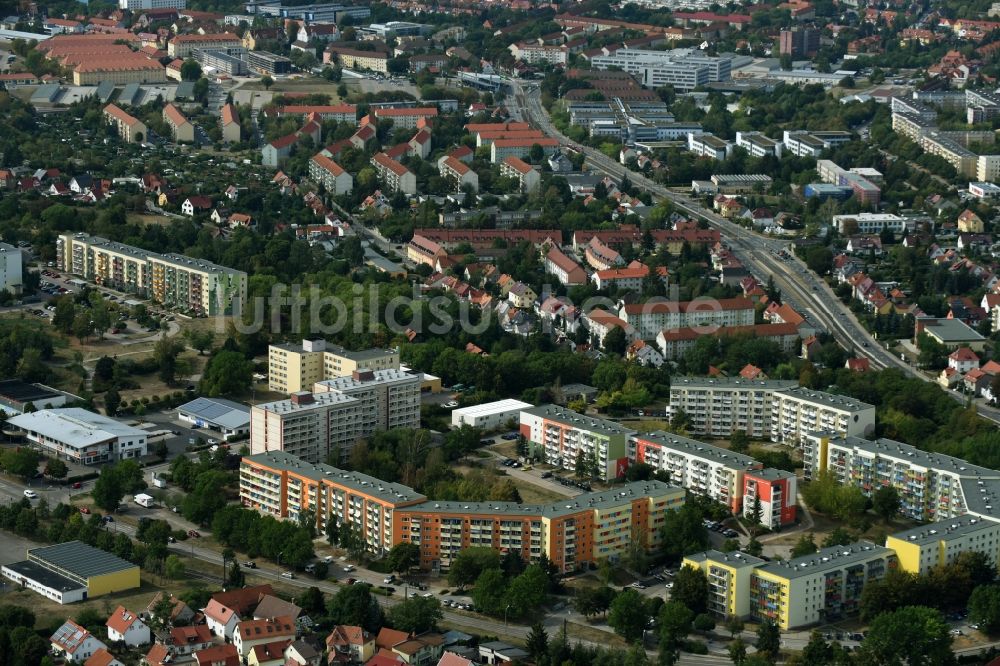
(227, 373)
(615, 341)
(190, 70)
(108, 489)
(683, 532)
(754, 547)
(675, 623)
(593, 600)
(817, 650)
(984, 608)
(734, 625)
(526, 592)
(165, 353)
(691, 589)
(267, 82)
(768, 640)
(56, 468)
(737, 651)
(355, 605)
(470, 564)
(627, 615)
(489, 591)
(913, 635)
(332, 531)
(207, 497)
(112, 401)
(200, 340)
(806, 545)
(416, 614)
(739, 442)
(174, 568)
(402, 557)
(22, 462)
(885, 503)
(537, 643)
(64, 315)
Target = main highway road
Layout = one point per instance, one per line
(763, 256)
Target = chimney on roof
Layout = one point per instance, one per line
(363, 375)
(302, 398)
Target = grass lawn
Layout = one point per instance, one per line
(532, 494)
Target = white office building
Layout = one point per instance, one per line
(684, 69)
(872, 223)
(489, 415)
(83, 437)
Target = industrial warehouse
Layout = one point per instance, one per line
(72, 571)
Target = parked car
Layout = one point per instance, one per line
(85, 510)
(193, 534)
(349, 568)
(108, 519)
(77, 485)
(287, 574)
(30, 494)
(250, 564)
(451, 404)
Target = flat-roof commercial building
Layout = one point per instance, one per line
(931, 486)
(922, 548)
(16, 395)
(684, 69)
(296, 367)
(229, 60)
(230, 418)
(489, 415)
(74, 434)
(823, 586)
(264, 62)
(562, 436)
(765, 409)
(73, 571)
(173, 280)
(283, 485)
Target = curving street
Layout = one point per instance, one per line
(805, 291)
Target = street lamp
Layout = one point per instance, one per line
(506, 608)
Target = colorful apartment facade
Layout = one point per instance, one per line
(172, 280)
(572, 533)
(561, 436)
(708, 470)
(765, 409)
(931, 486)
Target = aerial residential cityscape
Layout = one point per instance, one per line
(608, 333)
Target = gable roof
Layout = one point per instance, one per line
(271, 606)
(347, 634)
(101, 657)
(217, 612)
(388, 638)
(122, 619)
(197, 633)
(245, 599)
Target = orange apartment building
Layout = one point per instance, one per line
(572, 532)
